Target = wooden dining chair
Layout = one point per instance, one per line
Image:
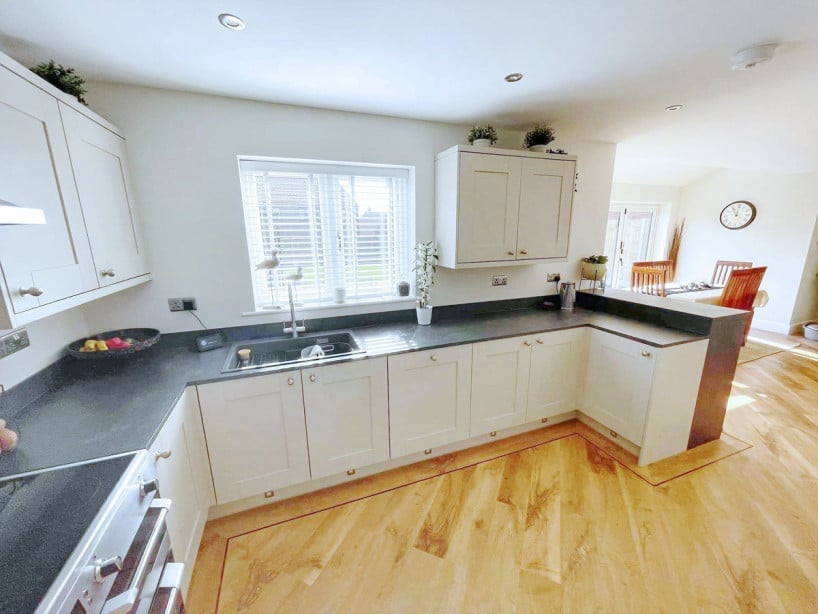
(659, 264)
(741, 290)
(724, 268)
(648, 280)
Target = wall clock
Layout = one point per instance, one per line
(738, 214)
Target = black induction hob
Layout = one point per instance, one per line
(42, 519)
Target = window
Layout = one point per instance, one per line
(630, 237)
(335, 225)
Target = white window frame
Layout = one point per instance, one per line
(333, 167)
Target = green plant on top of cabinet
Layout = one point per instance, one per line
(429, 399)
(255, 434)
(502, 206)
(347, 411)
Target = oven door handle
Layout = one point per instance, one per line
(124, 602)
(172, 582)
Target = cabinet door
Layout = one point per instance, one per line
(347, 409)
(489, 193)
(546, 194)
(35, 172)
(171, 454)
(429, 397)
(255, 434)
(101, 169)
(618, 383)
(499, 384)
(557, 372)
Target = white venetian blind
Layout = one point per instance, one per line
(344, 225)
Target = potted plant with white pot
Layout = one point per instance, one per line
(483, 136)
(538, 138)
(594, 267)
(425, 269)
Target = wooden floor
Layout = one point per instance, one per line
(552, 522)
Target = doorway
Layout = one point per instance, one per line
(630, 236)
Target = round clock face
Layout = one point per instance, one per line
(739, 214)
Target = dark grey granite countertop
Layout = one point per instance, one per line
(101, 408)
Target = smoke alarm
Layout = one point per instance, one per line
(752, 56)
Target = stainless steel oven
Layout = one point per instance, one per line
(124, 563)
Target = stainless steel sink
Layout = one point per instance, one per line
(274, 351)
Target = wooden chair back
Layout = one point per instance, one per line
(648, 280)
(741, 290)
(724, 268)
(659, 264)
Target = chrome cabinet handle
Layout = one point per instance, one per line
(33, 291)
(290, 381)
(527, 343)
(163, 454)
(523, 252)
(108, 273)
(646, 354)
(510, 253)
(312, 378)
(540, 341)
(433, 358)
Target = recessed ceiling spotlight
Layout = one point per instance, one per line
(674, 107)
(231, 22)
(752, 56)
(514, 77)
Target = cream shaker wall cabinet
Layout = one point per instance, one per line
(501, 206)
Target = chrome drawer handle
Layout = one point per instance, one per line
(527, 343)
(523, 252)
(646, 354)
(540, 341)
(433, 358)
(312, 378)
(290, 381)
(163, 454)
(510, 253)
(33, 291)
(108, 273)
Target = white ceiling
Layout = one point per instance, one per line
(597, 69)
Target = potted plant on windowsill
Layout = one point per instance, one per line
(538, 138)
(425, 268)
(594, 267)
(483, 136)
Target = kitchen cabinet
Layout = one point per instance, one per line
(499, 392)
(183, 471)
(255, 434)
(557, 372)
(502, 206)
(644, 394)
(82, 186)
(45, 263)
(347, 413)
(100, 166)
(429, 398)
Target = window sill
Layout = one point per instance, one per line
(351, 308)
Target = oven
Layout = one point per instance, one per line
(124, 563)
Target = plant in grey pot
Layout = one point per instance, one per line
(538, 138)
(484, 136)
(425, 268)
(62, 78)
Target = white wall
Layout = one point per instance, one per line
(49, 337)
(183, 150)
(779, 238)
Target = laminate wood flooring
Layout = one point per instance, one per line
(551, 521)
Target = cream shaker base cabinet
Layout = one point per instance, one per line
(101, 170)
(255, 434)
(347, 411)
(618, 383)
(182, 468)
(502, 206)
(429, 398)
(47, 262)
(557, 372)
(499, 390)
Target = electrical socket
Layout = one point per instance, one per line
(14, 341)
(182, 304)
(499, 280)
(552, 277)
